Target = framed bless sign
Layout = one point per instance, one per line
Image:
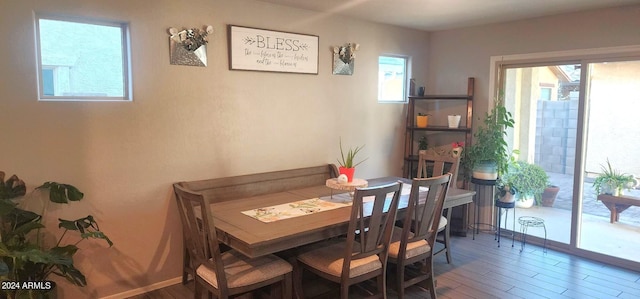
(253, 49)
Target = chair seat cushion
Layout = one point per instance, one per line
(329, 259)
(413, 249)
(243, 271)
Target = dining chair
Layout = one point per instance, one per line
(229, 273)
(362, 255)
(440, 164)
(414, 241)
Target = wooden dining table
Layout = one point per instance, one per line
(255, 238)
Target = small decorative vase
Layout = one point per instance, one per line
(421, 121)
(454, 121)
(348, 172)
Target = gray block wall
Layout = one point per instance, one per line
(556, 124)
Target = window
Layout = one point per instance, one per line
(392, 79)
(82, 60)
(545, 93)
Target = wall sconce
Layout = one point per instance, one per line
(344, 58)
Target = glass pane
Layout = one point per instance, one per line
(87, 58)
(612, 129)
(47, 82)
(392, 79)
(544, 103)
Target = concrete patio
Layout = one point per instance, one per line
(622, 238)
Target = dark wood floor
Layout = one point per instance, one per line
(482, 270)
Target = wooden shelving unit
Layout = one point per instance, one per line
(410, 150)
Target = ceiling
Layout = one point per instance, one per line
(433, 15)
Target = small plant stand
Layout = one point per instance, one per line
(529, 221)
(506, 206)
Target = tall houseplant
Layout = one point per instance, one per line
(490, 149)
(24, 256)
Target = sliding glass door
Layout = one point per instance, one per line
(544, 102)
(612, 138)
(573, 117)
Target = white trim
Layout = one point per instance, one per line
(145, 289)
(578, 54)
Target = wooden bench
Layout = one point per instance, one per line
(617, 204)
(236, 187)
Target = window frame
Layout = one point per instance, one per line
(126, 60)
(405, 83)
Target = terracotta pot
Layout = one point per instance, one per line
(549, 196)
(348, 172)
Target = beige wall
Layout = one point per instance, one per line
(189, 123)
(466, 52)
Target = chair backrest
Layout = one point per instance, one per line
(202, 240)
(372, 233)
(442, 163)
(424, 208)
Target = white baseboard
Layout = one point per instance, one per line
(145, 289)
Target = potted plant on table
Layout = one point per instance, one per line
(528, 180)
(489, 156)
(422, 120)
(24, 255)
(347, 164)
(612, 181)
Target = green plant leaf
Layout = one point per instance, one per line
(6, 207)
(64, 251)
(97, 235)
(12, 188)
(79, 224)
(72, 274)
(4, 268)
(27, 227)
(351, 154)
(62, 193)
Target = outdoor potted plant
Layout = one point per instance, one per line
(549, 195)
(347, 164)
(25, 256)
(612, 181)
(489, 156)
(529, 181)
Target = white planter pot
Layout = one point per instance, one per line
(454, 121)
(525, 201)
(608, 189)
(485, 170)
(507, 198)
